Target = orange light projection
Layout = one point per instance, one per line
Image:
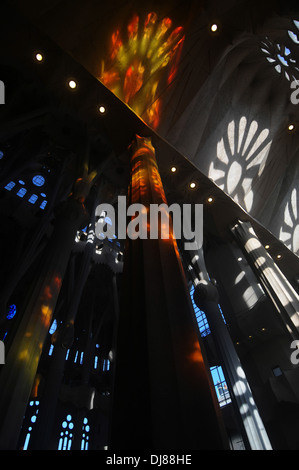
(148, 56)
(147, 188)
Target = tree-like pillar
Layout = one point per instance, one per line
(207, 299)
(279, 289)
(163, 396)
(62, 340)
(18, 374)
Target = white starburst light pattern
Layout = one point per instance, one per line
(240, 160)
(289, 232)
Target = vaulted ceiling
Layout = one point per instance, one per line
(75, 38)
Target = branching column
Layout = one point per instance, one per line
(18, 374)
(206, 298)
(163, 397)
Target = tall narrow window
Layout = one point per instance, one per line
(85, 435)
(34, 411)
(12, 310)
(201, 318)
(220, 386)
(66, 435)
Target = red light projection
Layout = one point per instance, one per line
(141, 62)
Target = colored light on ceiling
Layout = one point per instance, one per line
(214, 27)
(140, 61)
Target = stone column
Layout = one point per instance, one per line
(281, 292)
(163, 396)
(62, 340)
(206, 298)
(18, 374)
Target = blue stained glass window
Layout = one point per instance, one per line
(1, 154)
(12, 310)
(66, 435)
(43, 204)
(85, 434)
(34, 406)
(38, 180)
(53, 327)
(33, 198)
(22, 192)
(201, 318)
(10, 186)
(220, 385)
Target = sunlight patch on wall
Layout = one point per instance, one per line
(289, 232)
(140, 60)
(241, 157)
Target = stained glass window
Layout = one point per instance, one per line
(281, 58)
(85, 434)
(22, 192)
(294, 32)
(220, 386)
(38, 180)
(33, 198)
(66, 435)
(201, 318)
(34, 405)
(12, 310)
(10, 186)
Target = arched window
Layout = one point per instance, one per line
(66, 435)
